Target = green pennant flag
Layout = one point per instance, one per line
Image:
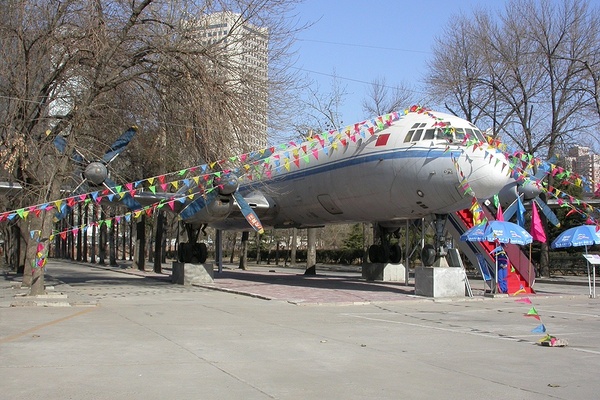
(532, 311)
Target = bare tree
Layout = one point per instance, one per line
(323, 108)
(84, 70)
(516, 71)
(382, 98)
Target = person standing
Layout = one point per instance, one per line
(502, 260)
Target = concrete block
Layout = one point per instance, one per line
(188, 274)
(384, 272)
(439, 282)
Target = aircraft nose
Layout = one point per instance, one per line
(488, 173)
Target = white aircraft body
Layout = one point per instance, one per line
(419, 164)
(384, 171)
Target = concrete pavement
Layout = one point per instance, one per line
(125, 334)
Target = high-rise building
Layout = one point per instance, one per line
(583, 162)
(245, 52)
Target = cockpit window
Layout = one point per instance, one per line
(417, 135)
(459, 134)
(429, 134)
(408, 136)
(415, 126)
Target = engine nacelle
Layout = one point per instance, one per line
(226, 184)
(215, 209)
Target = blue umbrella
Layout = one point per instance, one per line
(497, 231)
(584, 235)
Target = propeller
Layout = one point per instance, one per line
(96, 173)
(529, 191)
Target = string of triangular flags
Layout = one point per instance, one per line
(267, 163)
(257, 165)
(547, 340)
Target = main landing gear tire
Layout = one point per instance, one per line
(196, 253)
(379, 254)
(428, 255)
(395, 254)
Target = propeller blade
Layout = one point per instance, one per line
(60, 143)
(547, 212)
(119, 145)
(129, 201)
(510, 210)
(248, 213)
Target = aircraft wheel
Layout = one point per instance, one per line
(200, 252)
(428, 255)
(395, 254)
(377, 253)
(184, 253)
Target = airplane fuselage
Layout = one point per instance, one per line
(411, 168)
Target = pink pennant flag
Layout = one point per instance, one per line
(525, 300)
(499, 213)
(537, 230)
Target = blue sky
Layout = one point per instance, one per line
(387, 38)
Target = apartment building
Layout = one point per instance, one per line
(585, 163)
(245, 50)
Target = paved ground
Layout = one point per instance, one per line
(113, 333)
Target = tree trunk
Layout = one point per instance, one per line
(139, 255)
(94, 233)
(258, 246)
(233, 241)
(102, 244)
(37, 252)
(311, 251)
(293, 246)
(80, 231)
(112, 246)
(158, 242)
(244, 250)
(86, 221)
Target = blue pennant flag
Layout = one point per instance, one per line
(520, 213)
(539, 329)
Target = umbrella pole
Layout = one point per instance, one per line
(496, 275)
(588, 273)
(594, 274)
(529, 280)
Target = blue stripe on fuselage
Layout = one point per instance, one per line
(397, 153)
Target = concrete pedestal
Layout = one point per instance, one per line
(439, 282)
(188, 274)
(384, 272)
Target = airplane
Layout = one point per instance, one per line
(393, 168)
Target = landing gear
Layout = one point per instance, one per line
(435, 255)
(196, 253)
(192, 252)
(385, 251)
(428, 255)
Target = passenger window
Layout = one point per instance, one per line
(417, 135)
(408, 136)
(429, 134)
